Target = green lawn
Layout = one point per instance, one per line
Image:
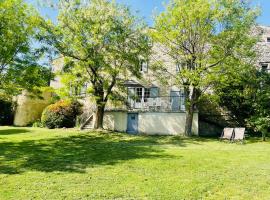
(68, 164)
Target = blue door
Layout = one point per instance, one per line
(132, 126)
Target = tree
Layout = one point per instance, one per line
(260, 119)
(101, 43)
(209, 39)
(19, 68)
(236, 93)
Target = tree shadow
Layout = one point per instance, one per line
(256, 139)
(76, 153)
(9, 131)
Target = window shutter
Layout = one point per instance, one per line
(178, 67)
(131, 92)
(154, 92)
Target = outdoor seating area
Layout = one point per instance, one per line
(161, 103)
(233, 134)
(147, 100)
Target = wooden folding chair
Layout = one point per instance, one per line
(239, 134)
(227, 134)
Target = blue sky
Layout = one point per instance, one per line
(146, 9)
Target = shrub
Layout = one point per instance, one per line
(6, 112)
(37, 124)
(61, 114)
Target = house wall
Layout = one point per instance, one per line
(116, 121)
(57, 66)
(155, 123)
(150, 78)
(262, 48)
(151, 123)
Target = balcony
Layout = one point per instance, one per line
(158, 104)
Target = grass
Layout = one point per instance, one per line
(68, 164)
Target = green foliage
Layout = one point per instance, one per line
(61, 114)
(261, 117)
(101, 42)
(19, 68)
(246, 95)
(37, 124)
(236, 93)
(210, 38)
(6, 112)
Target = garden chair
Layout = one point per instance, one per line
(227, 134)
(239, 134)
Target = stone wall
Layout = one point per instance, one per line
(30, 109)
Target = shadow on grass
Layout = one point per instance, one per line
(13, 131)
(76, 153)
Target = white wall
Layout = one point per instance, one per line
(151, 123)
(115, 120)
(156, 123)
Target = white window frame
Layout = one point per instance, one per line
(144, 66)
(138, 102)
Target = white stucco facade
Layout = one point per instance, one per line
(116, 121)
(165, 123)
(151, 123)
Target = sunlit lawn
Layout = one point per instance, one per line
(68, 164)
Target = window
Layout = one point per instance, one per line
(177, 99)
(178, 67)
(144, 66)
(83, 90)
(146, 94)
(139, 94)
(182, 100)
(264, 67)
(142, 94)
(268, 39)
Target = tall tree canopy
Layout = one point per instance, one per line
(19, 68)
(209, 39)
(101, 43)
(260, 118)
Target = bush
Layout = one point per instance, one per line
(6, 112)
(61, 114)
(37, 124)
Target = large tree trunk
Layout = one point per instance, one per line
(189, 120)
(99, 117)
(264, 135)
(191, 96)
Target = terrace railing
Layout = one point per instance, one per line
(161, 103)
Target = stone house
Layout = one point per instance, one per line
(263, 47)
(150, 107)
(157, 109)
